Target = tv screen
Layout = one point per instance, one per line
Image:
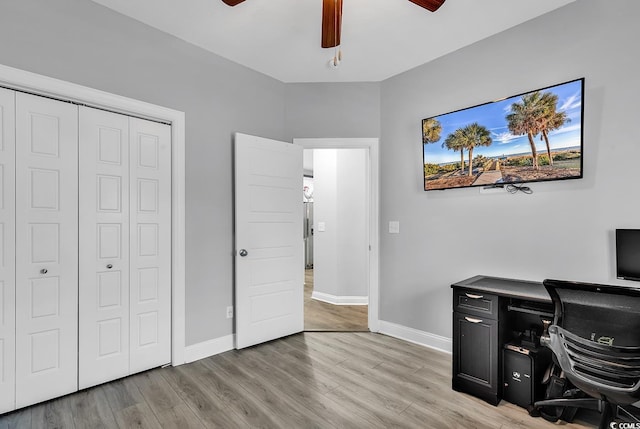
(628, 254)
(530, 137)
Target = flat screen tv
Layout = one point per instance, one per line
(628, 254)
(531, 137)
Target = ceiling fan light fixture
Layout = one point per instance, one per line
(332, 23)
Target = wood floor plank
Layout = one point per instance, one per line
(320, 363)
(179, 417)
(17, 419)
(248, 374)
(306, 349)
(438, 420)
(54, 414)
(302, 369)
(334, 341)
(301, 394)
(433, 358)
(324, 345)
(394, 386)
(207, 406)
(357, 375)
(91, 409)
(156, 391)
(242, 402)
(378, 414)
(381, 353)
(138, 416)
(121, 394)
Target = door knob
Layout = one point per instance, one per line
(44, 271)
(243, 252)
(109, 266)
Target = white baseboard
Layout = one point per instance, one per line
(209, 348)
(422, 338)
(340, 300)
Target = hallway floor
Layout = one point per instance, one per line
(322, 316)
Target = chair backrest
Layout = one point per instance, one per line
(596, 338)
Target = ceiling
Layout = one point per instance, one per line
(380, 38)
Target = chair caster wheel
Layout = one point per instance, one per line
(533, 411)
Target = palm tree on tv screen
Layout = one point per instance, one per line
(475, 135)
(456, 142)
(431, 130)
(551, 119)
(526, 118)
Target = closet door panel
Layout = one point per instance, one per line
(7, 250)
(150, 193)
(104, 240)
(46, 248)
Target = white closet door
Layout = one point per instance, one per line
(104, 240)
(7, 250)
(46, 249)
(150, 226)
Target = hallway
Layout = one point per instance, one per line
(321, 316)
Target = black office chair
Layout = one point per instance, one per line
(595, 337)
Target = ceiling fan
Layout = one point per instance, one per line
(332, 17)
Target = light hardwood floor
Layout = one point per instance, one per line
(310, 380)
(322, 316)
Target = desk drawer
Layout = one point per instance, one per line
(475, 302)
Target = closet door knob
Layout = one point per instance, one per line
(44, 271)
(243, 253)
(109, 266)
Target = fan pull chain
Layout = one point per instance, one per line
(337, 50)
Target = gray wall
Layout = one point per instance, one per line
(327, 110)
(565, 229)
(82, 42)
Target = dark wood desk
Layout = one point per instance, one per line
(489, 312)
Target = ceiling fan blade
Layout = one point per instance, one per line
(430, 5)
(331, 23)
(232, 2)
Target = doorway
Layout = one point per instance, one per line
(341, 276)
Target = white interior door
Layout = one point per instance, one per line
(150, 254)
(46, 248)
(269, 243)
(103, 352)
(7, 250)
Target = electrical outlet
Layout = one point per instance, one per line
(230, 312)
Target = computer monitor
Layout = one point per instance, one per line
(628, 254)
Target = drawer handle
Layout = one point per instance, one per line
(472, 320)
(472, 296)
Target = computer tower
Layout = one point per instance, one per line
(522, 374)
